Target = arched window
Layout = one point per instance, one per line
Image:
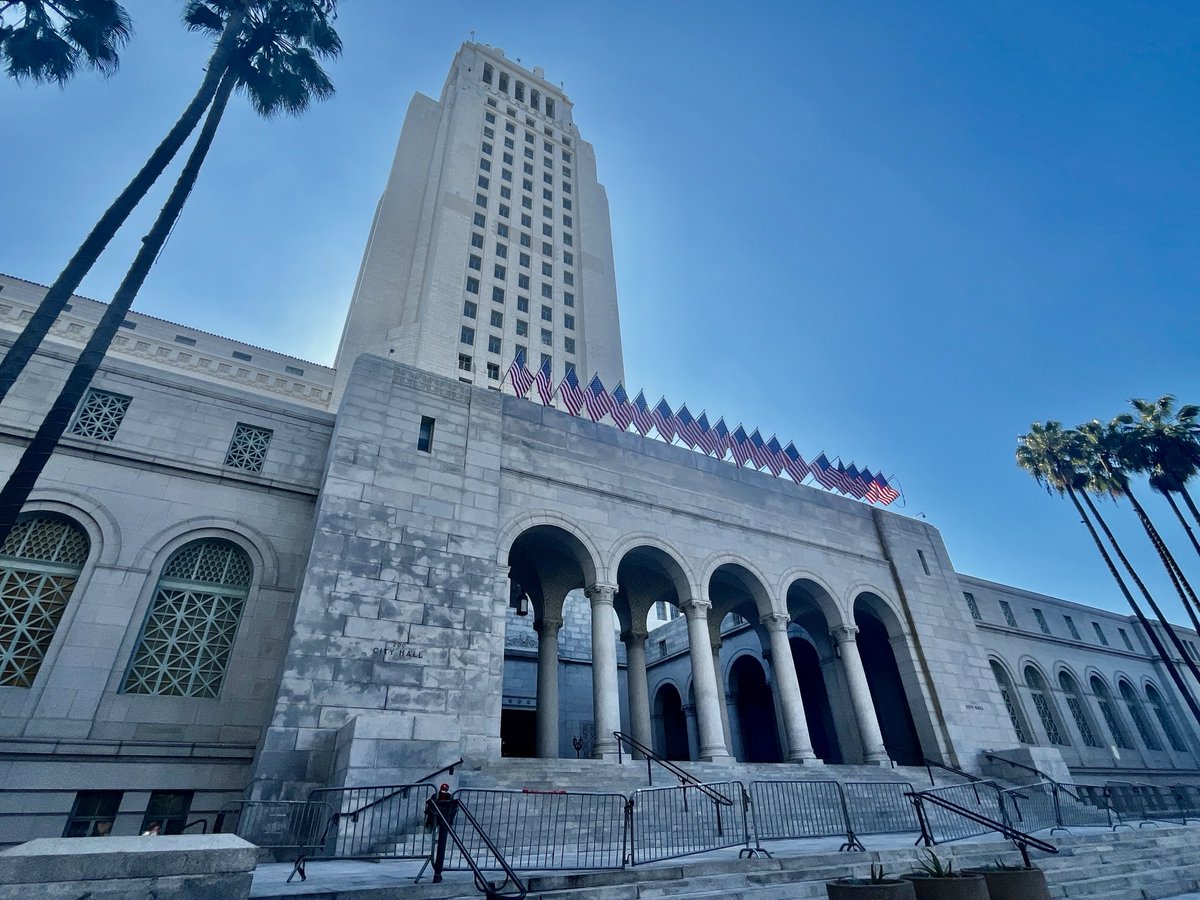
(1164, 719)
(1145, 730)
(184, 646)
(40, 564)
(1010, 702)
(1044, 706)
(1104, 700)
(1078, 707)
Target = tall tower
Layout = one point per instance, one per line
(492, 236)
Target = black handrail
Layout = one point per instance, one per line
(489, 889)
(1021, 839)
(203, 823)
(353, 815)
(686, 779)
(1068, 789)
(931, 764)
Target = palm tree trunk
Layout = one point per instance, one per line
(1182, 586)
(1187, 498)
(21, 483)
(1154, 638)
(1183, 521)
(114, 217)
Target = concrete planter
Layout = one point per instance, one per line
(960, 887)
(861, 889)
(1015, 884)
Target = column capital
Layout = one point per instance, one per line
(547, 623)
(600, 592)
(776, 622)
(502, 570)
(633, 635)
(695, 608)
(843, 634)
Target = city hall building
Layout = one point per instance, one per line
(244, 575)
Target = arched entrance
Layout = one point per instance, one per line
(755, 711)
(815, 696)
(887, 689)
(670, 724)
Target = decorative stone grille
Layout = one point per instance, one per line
(185, 644)
(1047, 717)
(1140, 722)
(1114, 725)
(1165, 720)
(1081, 722)
(100, 415)
(40, 564)
(248, 449)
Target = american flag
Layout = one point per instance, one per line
(740, 445)
(622, 412)
(774, 456)
(688, 432)
(758, 450)
(642, 420)
(704, 435)
(825, 474)
(599, 404)
(854, 482)
(519, 376)
(570, 391)
(664, 420)
(545, 388)
(867, 479)
(843, 480)
(880, 491)
(721, 440)
(794, 463)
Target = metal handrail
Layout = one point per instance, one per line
(931, 764)
(685, 777)
(448, 769)
(1058, 786)
(203, 823)
(488, 888)
(1021, 839)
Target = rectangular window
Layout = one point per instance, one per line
(502, 229)
(546, 359)
(527, 203)
(568, 221)
(100, 415)
(472, 285)
(505, 193)
(1103, 638)
(924, 564)
(506, 175)
(569, 321)
(504, 211)
(547, 291)
(425, 437)
(480, 220)
(548, 269)
(168, 810)
(1125, 637)
(529, 153)
(485, 165)
(547, 212)
(294, 370)
(566, 187)
(568, 258)
(493, 371)
(522, 328)
(566, 170)
(493, 344)
(527, 184)
(521, 348)
(93, 814)
(497, 319)
(244, 357)
(567, 239)
(524, 260)
(483, 182)
(248, 448)
(526, 240)
(510, 127)
(499, 271)
(504, 85)
(529, 137)
(548, 230)
(489, 132)
(467, 335)
(464, 362)
(526, 221)
(523, 304)
(1192, 650)
(569, 344)
(547, 338)
(547, 314)
(972, 606)
(502, 250)
(548, 194)
(522, 281)
(497, 295)
(1071, 628)
(547, 146)
(487, 76)
(186, 341)
(1041, 620)
(568, 298)
(566, 153)
(491, 103)
(489, 117)
(548, 177)
(486, 148)
(527, 168)
(566, 203)
(475, 262)
(547, 249)
(476, 239)
(569, 278)
(470, 309)
(508, 158)
(550, 107)
(1009, 618)
(520, 91)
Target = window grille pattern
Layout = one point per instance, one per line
(1120, 738)
(1041, 702)
(1009, 618)
(972, 605)
(248, 449)
(1140, 722)
(1041, 620)
(40, 564)
(100, 415)
(1165, 720)
(185, 644)
(1081, 722)
(1014, 715)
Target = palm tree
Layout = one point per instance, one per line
(114, 217)
(1169, 441)
(1057, 459)
(48, 40)
(275, 66)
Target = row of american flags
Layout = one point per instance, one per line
(696, 432)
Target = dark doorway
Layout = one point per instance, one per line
(518, 732)
(817, 711)
(755, 711)
(887, 691)
(668, 709)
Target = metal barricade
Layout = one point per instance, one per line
(1187, 797)
(1031, 807)
(879, 807)
(275, 824)
(384, 821)
(1083, 806)
(677, 821)
(797, 809)
(979, 797)
(545, 830)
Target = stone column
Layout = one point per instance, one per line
(709, 699)
(547, 688)
(639, 689)
(723, 695)
(787, 686)
(689, 718)
(606, 704)
(860, 695)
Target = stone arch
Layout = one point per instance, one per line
(755, 584)
(254, 542)
(103, 530)
(646, 573)
(593, 570)
(669, 721)
(755, 709)
(1007, 686)
(823, 596)
(891, 678)
(881, 605)
(688, 585)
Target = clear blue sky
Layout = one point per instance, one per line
(897, 235)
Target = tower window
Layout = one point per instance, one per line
(522, 328)
(1071, 628)
(467, 335)
(100, 415)
(520, 92)
(535, 98)
(569, 322)
(972, 606)
(476, 239)
(481, 201)
(499, 271)
(504, 211)
(497, 295)
(475, 262)
(502, 251)
(1103, 638)
(504, 84)
(464, 362)
(547, 314)
(487, 73)
(493, 371)
(472, 285)
(568, 298)
(523, 304)
(469, 309)
(1009, 618)
(248, 449)
(569, 344)
(550, 107)
(497, 319)
(547, 338)
(493, 344)
(569, 278)
(547, 291)
(425, 436)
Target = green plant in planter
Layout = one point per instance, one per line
(933, 866)
(939, 880)
(877, 886)
(878, 875)
(1008, 881)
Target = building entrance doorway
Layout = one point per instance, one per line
(518, 732)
